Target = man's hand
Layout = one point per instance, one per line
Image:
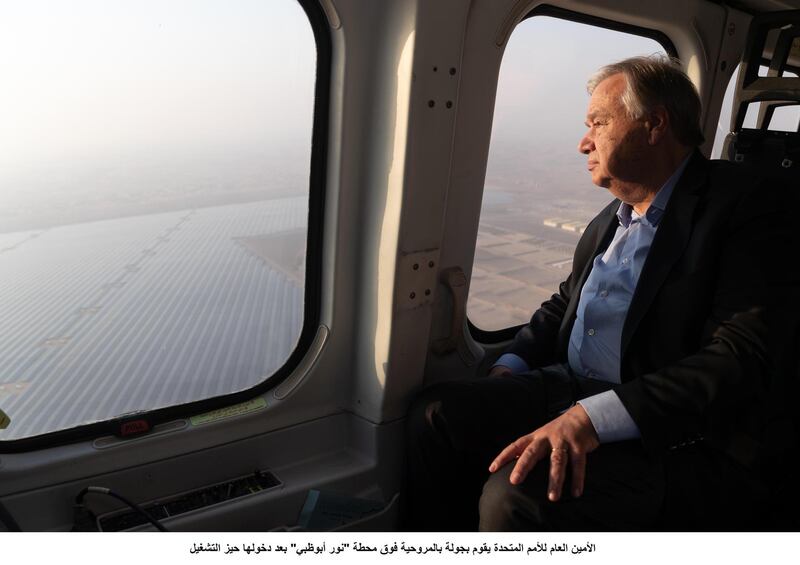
(499, 371)
(567, 438)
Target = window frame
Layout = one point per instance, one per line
(313, 274)
(492, 337)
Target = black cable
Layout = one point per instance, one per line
(133, 505)
(8, 520)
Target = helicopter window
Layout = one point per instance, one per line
(784, 118)
(154, 159)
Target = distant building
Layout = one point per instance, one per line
(567, 224)
(555, 222)
(578, 226)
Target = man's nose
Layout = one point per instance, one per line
(585, 145)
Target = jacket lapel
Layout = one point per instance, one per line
(668, 244)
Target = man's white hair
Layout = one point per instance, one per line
(658, 80)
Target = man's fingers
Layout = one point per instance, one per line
(578, 462)
(509, 453)
(565, 441)
(558, 470)
(527, 460)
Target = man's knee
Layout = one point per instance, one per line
(623, 491)
(505, 507)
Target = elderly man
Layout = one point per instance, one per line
(638, 391)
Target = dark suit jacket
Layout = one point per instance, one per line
(704, 328)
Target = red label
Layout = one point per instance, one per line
(134, 427)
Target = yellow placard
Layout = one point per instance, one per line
(229, 411)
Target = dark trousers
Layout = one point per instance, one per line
(455, 430)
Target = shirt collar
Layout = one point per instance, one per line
(626, 213)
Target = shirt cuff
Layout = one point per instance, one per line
(609, 417)
(513, 362)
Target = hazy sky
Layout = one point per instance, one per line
(544, 72)
(88, 80)
(107, 103)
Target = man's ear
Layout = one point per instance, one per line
(657, 124)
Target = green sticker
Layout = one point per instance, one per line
(229, 411)
(4, 420)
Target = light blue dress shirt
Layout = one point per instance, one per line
(595, 341)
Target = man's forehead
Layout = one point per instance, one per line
(606, 98)
(612, 83)
(608, 89)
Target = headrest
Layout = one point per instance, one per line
(774, 154)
